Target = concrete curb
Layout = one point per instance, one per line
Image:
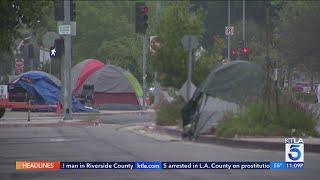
(52, 124)
(277, 146)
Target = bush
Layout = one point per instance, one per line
(305, 97)
(169, 113)
(253, 121)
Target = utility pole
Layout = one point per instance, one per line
(67, 106)
(144, 58)
(229, 37)
(244, 22)
(189, 71)
(267, 83)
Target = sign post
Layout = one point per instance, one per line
(189, 43)
(229, 31)
(65, 30)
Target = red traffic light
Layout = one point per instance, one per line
(234, 52)
(245, 51)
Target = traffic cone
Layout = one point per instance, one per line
(58, 108)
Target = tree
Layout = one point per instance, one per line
(297, 34)
(17, 14)
(202, 68)
(105, 31)
(176, 21)
(17, 17)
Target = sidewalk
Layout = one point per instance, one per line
(50, 119)
(52, 122)
(268, 143)
(36, 115)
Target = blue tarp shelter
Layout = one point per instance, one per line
(45, 89)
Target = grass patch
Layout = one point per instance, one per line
(169, 113)
(253, 121)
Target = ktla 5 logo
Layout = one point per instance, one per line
(294, 150)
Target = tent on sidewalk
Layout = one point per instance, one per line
(113, 87)
(81, 71)
(224, 89)
(44, 88)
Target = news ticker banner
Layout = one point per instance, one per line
(156, 165)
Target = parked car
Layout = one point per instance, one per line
(298, 87)
(304, 87)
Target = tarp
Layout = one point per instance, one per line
(44, 89)
(224, 89)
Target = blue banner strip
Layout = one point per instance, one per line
(157, 165)
(286, 165)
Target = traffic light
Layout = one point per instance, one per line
(72, 10)
(245, 52)
(141, 17)
(234, 54)
(59, 10)
(58, 49)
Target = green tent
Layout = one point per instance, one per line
(225, 88)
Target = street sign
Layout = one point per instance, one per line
(19, 65)
(189, 42)
(65, 29)
(73, 25)
(229, 31)
(183, 90)
(154, 44)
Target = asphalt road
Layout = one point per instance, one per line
(112, 142)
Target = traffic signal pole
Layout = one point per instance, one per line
(67, 106)
(141, 26)
(244, 23)
(144, 58)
